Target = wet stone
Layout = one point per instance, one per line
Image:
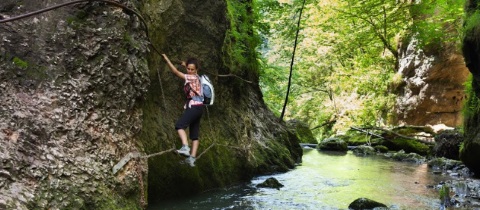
(271, 183)
(365, 203)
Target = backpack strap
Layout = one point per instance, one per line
(201, 87)
(196, 93)
(198, 96)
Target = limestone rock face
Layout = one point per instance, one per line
(432, 90)
(69, 80)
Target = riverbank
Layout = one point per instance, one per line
(329, 180)
(458, 189)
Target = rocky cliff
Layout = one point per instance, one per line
(81, 88)
(432, 90)
(239, 136)
(471, 52)
(70, 80)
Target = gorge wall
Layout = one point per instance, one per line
(432, 86)
(70, 80)
(471, 51)
(81, 88)
(239, 136)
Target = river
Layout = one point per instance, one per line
(327, 180)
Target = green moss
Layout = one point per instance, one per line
(20, 63)
(355, 140)
(114, 201)
(472, 22)
(381, 148)
(128, 38)
(408, 145)
(461, 149)
(241, 40)
(301, 131)
(333, 144)
(33, 72)
(472, 104)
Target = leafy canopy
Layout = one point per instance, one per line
(347, 55)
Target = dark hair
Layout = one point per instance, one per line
(193, 61)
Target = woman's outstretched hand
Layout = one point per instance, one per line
(172, 67)
(165, 57)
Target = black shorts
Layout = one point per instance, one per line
(191, 118)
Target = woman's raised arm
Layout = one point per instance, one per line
(173, 68)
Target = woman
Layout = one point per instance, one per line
(193, 108)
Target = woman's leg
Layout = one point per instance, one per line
(195, 130)
(190, 117)
(195, 145)
(183, 136)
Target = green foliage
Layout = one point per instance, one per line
(346, 56)
(462, 147)
(241, 38)
(336, 63)
(438, 21)
(472, 22)
(376, 22)
(444, 194)
(270, 85)
(472, 104)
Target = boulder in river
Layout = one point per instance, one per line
(406, 157)
(365, 203)
(333, 144)
(271, 183)
(447, 144)
(364, 150)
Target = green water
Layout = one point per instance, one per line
(326, 180)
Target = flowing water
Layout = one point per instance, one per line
(326, 180)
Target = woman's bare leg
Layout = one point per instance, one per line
(195, 148)
(183, 136)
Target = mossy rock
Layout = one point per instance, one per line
(406, 157)
(355, 138)
(302, 131)
(381, 148)
(333, 144)
(363, 150)
(447, 144)
(444, 163)
(407, 145)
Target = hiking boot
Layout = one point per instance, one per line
(190, 161)
(185, 151)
